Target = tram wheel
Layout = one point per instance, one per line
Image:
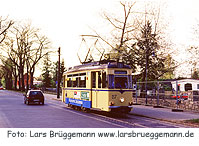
(77, 108)
(83, 109)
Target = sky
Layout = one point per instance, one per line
(64, 21)
(184, 18)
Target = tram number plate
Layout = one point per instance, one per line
(114, 96)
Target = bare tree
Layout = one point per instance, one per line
(6, 67)
(124, 32)
(25, 47)
(37, 53)
(123, 26)
(193, 50)
(4, 26)
(139, 35)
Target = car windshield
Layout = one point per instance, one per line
(35, 93)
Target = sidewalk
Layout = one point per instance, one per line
(156, 113)
(163, 113)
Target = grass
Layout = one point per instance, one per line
(194, 121)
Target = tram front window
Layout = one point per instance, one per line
(121, 83)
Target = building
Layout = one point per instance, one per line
(36, 82)
(186, 84)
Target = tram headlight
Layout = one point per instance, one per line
(130, 103)
(122, 99)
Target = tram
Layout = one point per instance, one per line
(101, 85)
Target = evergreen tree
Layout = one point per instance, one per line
(169, 68)
(195, 75)
(6, 72)
(62, 69)
(148, 57)
(47, 80)
(54, 73)
(55, 69)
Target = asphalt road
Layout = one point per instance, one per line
(55, 114)
(15, 114)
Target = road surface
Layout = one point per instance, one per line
(55, 114)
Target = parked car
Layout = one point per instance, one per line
(1, 88)
(34, 96)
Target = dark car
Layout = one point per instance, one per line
(34, 96)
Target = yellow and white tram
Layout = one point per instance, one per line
(102, 85)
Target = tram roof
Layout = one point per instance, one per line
(98, 65)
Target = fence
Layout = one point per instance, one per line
(51, 90)
(173, 94)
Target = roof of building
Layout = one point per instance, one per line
(186, 80)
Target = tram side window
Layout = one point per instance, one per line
(75, 82)
(99, 80)
(93, 75)
(69, 82)
(104, 80)
(111, 82)
(78, 81)
(82, 81)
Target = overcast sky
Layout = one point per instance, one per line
(64, 21)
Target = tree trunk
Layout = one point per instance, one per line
(31, 79)
(15, 76)
(27, 80)
(32, 70)
(8, 80)
(19, 76)
(22, 78)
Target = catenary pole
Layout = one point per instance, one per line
(58, 75)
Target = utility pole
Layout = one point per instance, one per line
(58, 75)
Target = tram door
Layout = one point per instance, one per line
(94, 89)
